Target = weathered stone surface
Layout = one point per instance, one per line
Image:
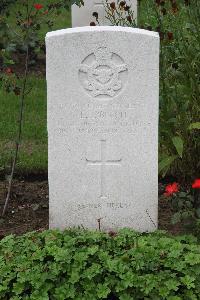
(83, 16)
(102, 85)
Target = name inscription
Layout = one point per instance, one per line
(100, 119)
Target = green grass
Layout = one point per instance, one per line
(33, 149)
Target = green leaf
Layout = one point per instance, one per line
(194, 126)
(166, 162)
(75, 276)
(176, 218)
(125, 296)
(182, 195)
(103, 290)
(187, 214)
(192, 258)
(198, 212)
(178, 144)
(188, 281)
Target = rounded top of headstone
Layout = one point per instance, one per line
(91, 29)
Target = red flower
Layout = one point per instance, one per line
(161, 2)
(96, 15)
(196, 184)
(174, 7)
(112, 5)
(170, 36)
(187, 2)
(171, 189)
(112, 233)
(158, 2)
(164, 11)
(8, 71)
(38, 6)
(126, 8)
(122, 3)
(129, 19)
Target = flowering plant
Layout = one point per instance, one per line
(22, 28)
(38, 6)
(185, 204)
(171, 189)
(196, 184)
(120, 13)
(177, 23)
(21, 44)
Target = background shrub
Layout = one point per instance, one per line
(177, 22)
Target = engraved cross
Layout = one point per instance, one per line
(103, 162)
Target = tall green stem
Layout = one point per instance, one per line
(18, 141)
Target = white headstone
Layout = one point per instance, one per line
(82, 16)
(102, 85)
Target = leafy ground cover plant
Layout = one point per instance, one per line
(79, 264)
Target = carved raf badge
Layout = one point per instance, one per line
(103, 73)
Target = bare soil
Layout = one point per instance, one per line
(27, 209)
(29, 203)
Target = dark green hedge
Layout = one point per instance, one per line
(79, 264)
